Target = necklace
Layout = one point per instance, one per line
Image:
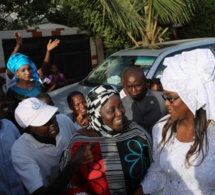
(172, 172)
(27, 86)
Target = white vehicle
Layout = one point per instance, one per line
(149, 59)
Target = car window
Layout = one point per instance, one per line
(158, 73)
(109, 71)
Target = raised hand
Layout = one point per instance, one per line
(52, 44)
(18, 37)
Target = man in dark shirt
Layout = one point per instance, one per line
(142, 105)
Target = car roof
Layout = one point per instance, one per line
(158, 48)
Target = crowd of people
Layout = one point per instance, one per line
(135, 141)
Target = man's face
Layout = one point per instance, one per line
(47, 131)
(134, 84)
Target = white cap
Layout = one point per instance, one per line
(34, 112)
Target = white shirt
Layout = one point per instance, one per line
(122, 93)
(9, 82)
(168, 175)
(38, 163)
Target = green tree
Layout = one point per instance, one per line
(22, 13)
(144, 21)
(203, 24)
(120, 23)
(158, 15)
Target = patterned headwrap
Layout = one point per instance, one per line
(96, 98)
(18, 60)
(192, 74)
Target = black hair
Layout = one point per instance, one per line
(43, 96)
(200, 130)
(125, 70)
(71, 95)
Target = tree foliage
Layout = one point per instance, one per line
(121, 23)
(142, 20)
(93, 17)
(158, 15)
(203, 24)
(22, 13)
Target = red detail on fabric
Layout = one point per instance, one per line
(91, 178)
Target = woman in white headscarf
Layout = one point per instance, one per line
(122, 149)
(184, 141)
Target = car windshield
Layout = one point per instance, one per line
(109, 71)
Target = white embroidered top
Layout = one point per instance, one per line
(168, 174)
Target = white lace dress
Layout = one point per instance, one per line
(168, 174)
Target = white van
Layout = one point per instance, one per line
(150, 59)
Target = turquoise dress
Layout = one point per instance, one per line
(28, 92)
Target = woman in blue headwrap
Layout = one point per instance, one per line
(26, 75)
(121, 152)
(28, 80)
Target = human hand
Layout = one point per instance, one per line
(83, 155)
(18, 37)
(82, 121)
(52, 44)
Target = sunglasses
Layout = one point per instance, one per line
(171, 100)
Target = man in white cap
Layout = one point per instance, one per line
(36, 154)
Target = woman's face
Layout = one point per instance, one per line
(178, 110)
(24, 72)
(113, 112)
(79, 105)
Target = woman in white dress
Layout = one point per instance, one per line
(184, 140)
